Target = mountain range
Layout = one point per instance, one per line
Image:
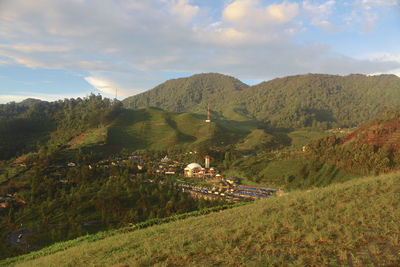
(318, 100)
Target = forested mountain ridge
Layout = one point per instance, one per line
(341, 101)
(190, 94)
(26, 125)
(318, 100)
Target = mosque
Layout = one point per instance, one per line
(196, 170)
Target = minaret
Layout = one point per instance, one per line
(208, 114)
(207, 162)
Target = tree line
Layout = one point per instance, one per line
(24, 127)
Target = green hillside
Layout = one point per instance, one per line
(26, 126)
(371, 149)
(257, 139)
(103, 126)
(328, 156)
(192, 95)
(154, 129)
(317, 100)
(290, 171)
(350, 224)
(312, 99)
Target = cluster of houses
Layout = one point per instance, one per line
(168, 166)
(230, 190)
(227, 188)
(107, 163)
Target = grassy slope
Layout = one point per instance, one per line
(156, 129)
(257, 170)
(257, 139)
(277, 171)
(269, 170)
(153, 129)
(90, 137)
(352, 223)
(300, 138)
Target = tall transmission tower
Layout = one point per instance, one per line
(208, 114)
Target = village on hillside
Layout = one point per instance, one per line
(191, 177)
(201, 182)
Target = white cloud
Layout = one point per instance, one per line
(369, 4)
(385, 57)
(368, 12)
(284, 12)
(101, 84)
(9, 98)
(183, 9)
(319, 13)
(249, 13)
(6, 98)
(109, 87)
(130, 44)
(125, 84)
(4, 62)
(394, 71)
(28, 48)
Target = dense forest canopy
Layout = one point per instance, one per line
(317, 100)
(189, 94)
(371, 149)
(25, 125)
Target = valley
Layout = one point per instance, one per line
(200, 133)
(94, 167)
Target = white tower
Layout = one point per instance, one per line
(207, 162)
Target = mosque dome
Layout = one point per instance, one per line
(193, 166)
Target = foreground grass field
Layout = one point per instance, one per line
(356, 223)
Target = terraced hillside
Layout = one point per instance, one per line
(351, 224)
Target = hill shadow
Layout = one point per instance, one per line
(180, 136)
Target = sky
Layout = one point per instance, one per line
(56, 49)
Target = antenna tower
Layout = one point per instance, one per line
(208, 114)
